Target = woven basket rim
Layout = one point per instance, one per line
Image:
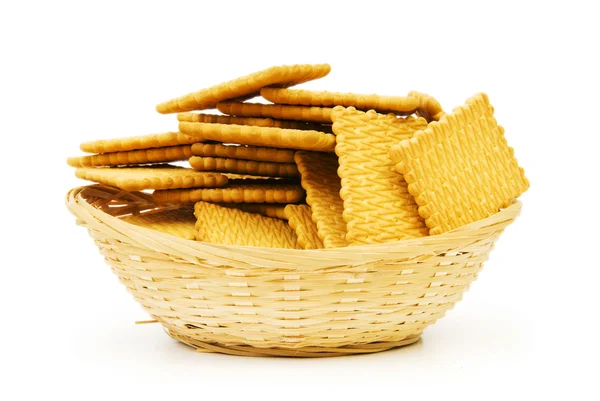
(218, 254)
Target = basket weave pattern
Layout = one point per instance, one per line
(262, 301)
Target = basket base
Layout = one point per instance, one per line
(306, 352)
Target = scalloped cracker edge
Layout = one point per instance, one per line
(142, 156)
(284, 112)
(137, 142)
(245, 167)
(237, 191)
(155, 177)
(300, 219)
(245, 87)
(258, 153)
(318, 175)
(383, 104)
(260, 136)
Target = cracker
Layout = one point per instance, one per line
(318, 172)
(137, 142)
(248, 167)
(284, 112)
(300, 219)
(429, 108)
(238, 191)
(222, 225)
(260, 136)
(377, 205)
(261, 154)
(246, 87)
(177, 222)
(155, 177)
(233, 176)
(142, 156)
(461, 168)
(266, 209)
(258, 122)
(383, 104)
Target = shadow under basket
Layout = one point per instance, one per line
(282, 302)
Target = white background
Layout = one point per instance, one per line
(76, 72)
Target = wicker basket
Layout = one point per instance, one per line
(304, 303)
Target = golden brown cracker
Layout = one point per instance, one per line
(246, 87)
(260, 136)
(178, 222)
(262, 154)
(318, 172)
(284, 112)
(238, 191)
(142, 156)
(154, 177)
(377, 205)
(219, 119)
(429, 108)
(266, 209)
(221, 225)
(461, 168)
(247, 167)
(300, 219)
(384, 104)
(258, 122)
(233, 176)
(137, 142)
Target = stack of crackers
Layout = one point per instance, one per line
(311, 170)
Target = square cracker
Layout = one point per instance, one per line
(429, 108)
(237, 191)
(266, 209)
(230, 226)
(245, 87)
(403, 105)
(461, 168)
(260, 136)
(137, 142)
(261, 154)
(318, 175)
(300, 219)
(256, 121)
(132, 157)
(377, 205)
(245, 167)
(280, 111)
(155, 177)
